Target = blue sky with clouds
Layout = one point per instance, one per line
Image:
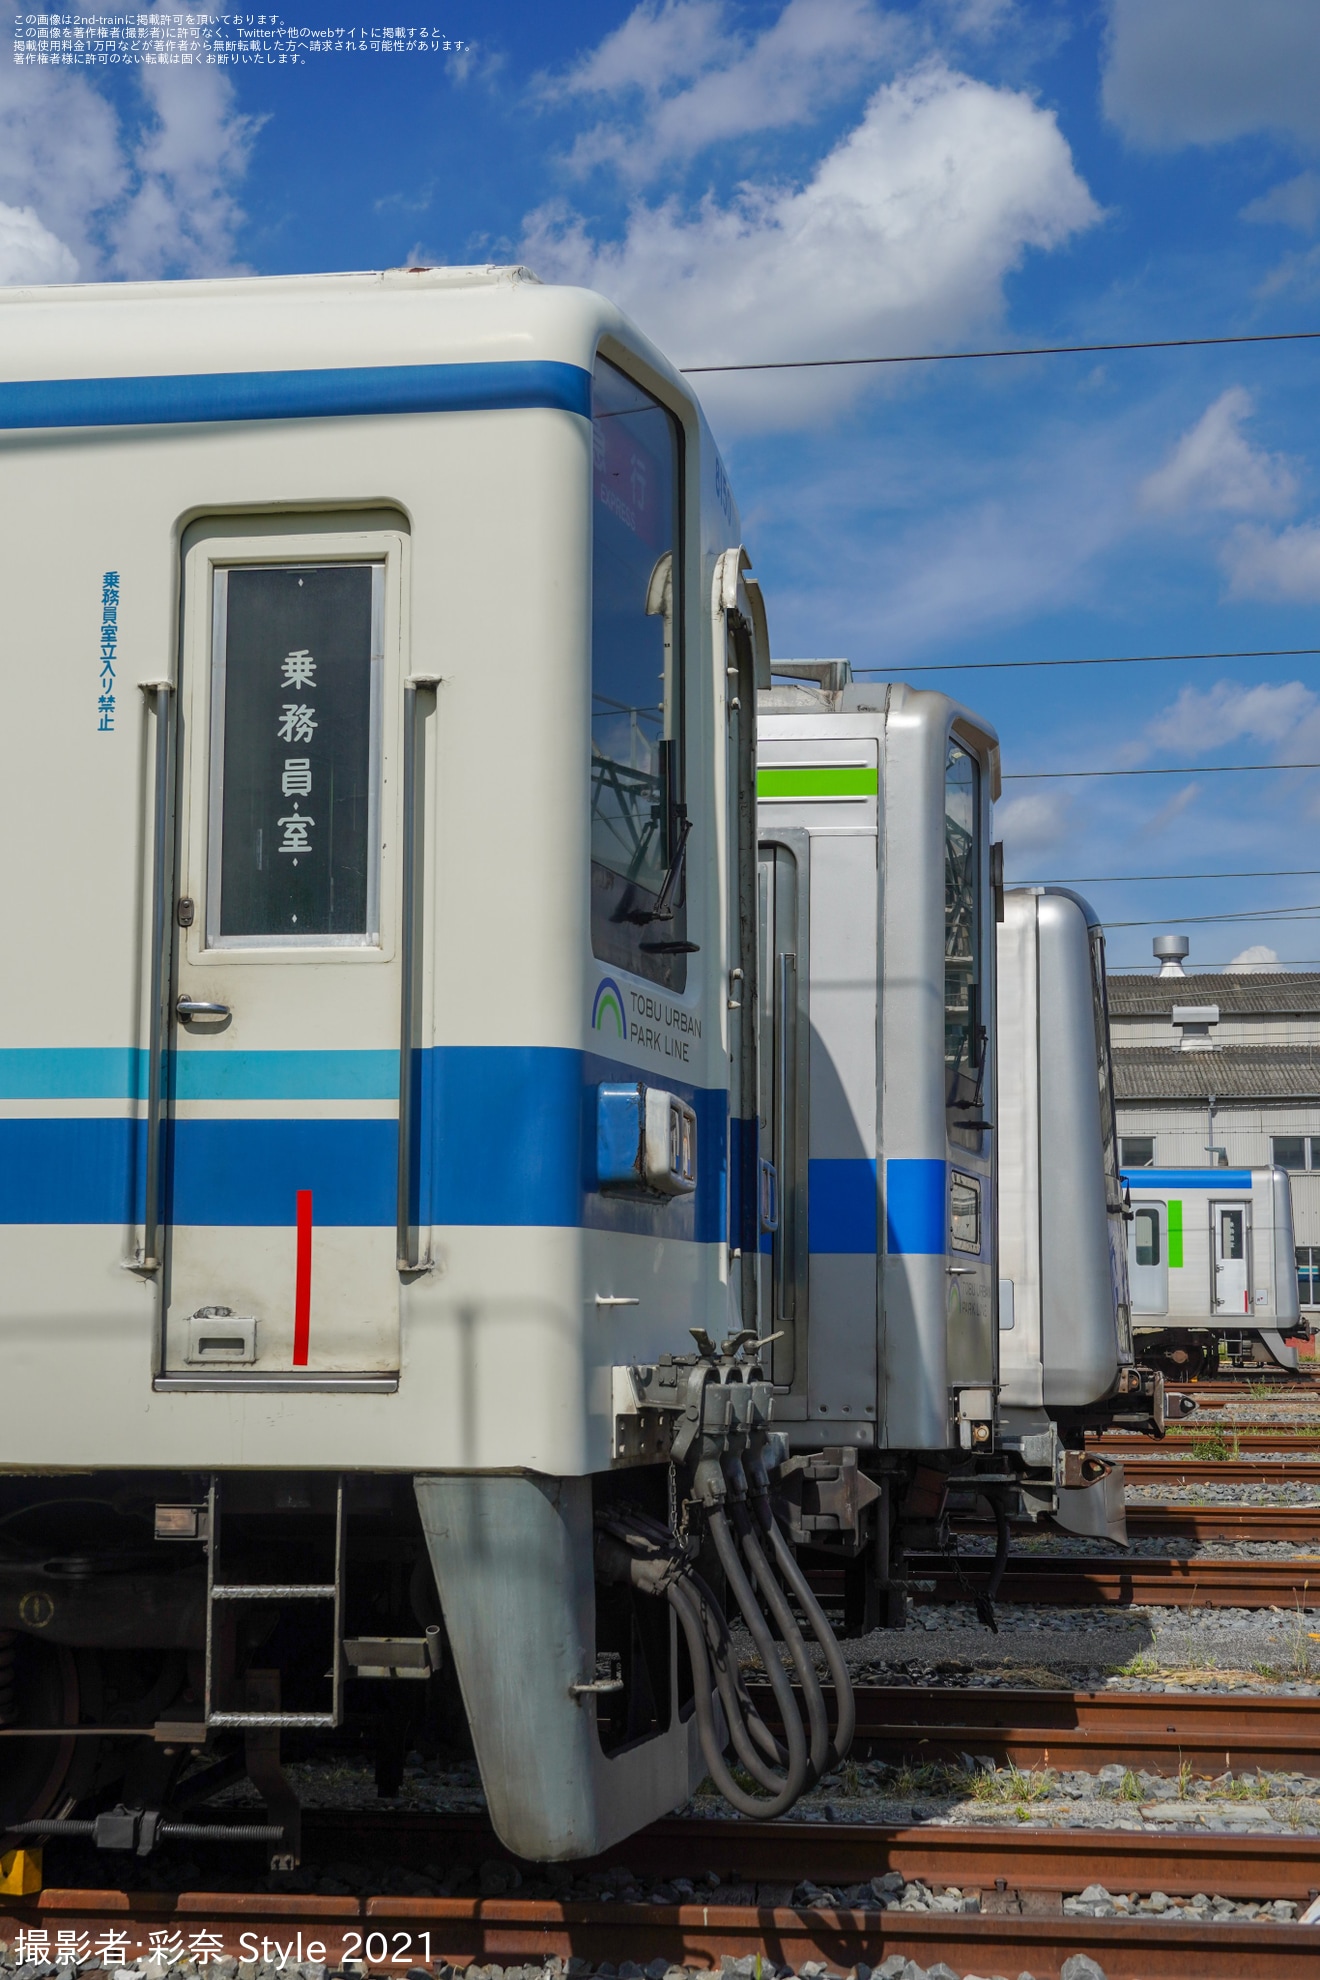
(843, 177)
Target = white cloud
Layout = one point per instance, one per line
(1215, 466)
(1208, 718)
(901, 238)
(814, 53)
(1256, 957)
(181, 215)
(668, 42)
(100, 198)
(1174, 807)
(1282, 565)
(29, 252)
(1031, 824)
(1203, 71)
(1293, 203)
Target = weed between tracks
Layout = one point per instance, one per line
(1213, 1446)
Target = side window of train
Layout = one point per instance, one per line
(963, 1034)
(1146, 1236)
(638, 814)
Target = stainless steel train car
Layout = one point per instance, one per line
(379, 1061)
(1212, 1267)
(882, 1066)
(1066, 1356)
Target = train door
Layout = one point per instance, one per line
(740, 631)
(1148, 1259)
(283, 1146)
(1230, 1226)
(782, 1121)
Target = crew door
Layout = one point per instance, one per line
(739, 630)
(1230, 1225)
(281, 1141)
(783, 1118)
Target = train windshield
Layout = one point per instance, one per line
(964, 1038)
(1104, 1069)
(636, 682)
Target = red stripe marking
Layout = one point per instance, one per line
(302, 1284)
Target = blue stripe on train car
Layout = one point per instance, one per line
(916, 1219)
(119, 1072)
(841, 1206)
(203, 397)
(1216, 1179)
(506, 1136)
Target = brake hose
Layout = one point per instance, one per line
(846, 1704)
(777, 1602)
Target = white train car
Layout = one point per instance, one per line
(1066, 1355)
(881, 1068)
(1211, 1261)
(379, 1105)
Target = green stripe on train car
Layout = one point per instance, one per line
(1175, 1232)
(823, 780)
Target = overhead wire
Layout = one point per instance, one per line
(1113, 879)
(1173, 770)
(1011, 351)
(1100, 660)
(1308, 913)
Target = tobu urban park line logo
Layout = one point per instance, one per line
(607, 1010)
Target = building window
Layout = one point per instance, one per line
(1308, 1274)
(1295, 1151)
(1138, 1151)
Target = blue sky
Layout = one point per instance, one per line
(839, 177)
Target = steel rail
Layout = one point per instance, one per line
(1116, 1443)
(1022, 1878)
(1211, 1732)
(1180, 1470)
(1136, 1581)
(1294, 1526)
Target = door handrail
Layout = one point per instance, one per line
(410, 910)
(162, 941)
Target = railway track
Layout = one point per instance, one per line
(1158, 1731)
(1118, 1443)
(1180, 1470)
(1295, 1526)
(1021, 1879)
(1139, 1581)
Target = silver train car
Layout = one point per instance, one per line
(882, 1067)
(379, 1177)
(1066, 1355)
(1213, 1268)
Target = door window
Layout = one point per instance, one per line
(1231, 1238)
(963, 1043)
(1150, 1243)
(638, 917)
(294, 755)
(964, 1212)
